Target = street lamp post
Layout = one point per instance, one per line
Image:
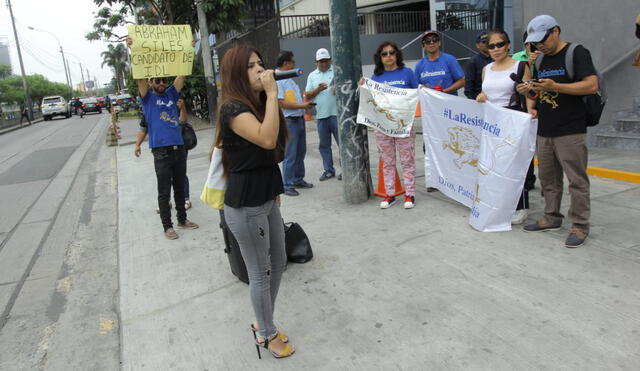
(83, 87)
(25, 86)
(64, 62)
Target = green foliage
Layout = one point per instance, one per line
(132, 85)
(11, 90)
(222, 15)
(194, 90)
(5, 71)
(116, 58)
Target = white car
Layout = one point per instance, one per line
(55, 106)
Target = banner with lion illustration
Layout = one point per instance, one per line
(477, 154)
(387, 109)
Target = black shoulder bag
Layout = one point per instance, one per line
(297, 243)
(189, 136)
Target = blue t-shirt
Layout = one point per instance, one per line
(290, 91)
(400, 78)
(326, 99)
(444, 71)
(161, 114)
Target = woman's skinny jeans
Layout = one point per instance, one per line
(260, 234)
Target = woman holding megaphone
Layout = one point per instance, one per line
(252, 132)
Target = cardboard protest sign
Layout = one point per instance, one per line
(161, 51)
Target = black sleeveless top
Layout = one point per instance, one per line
(253, 173)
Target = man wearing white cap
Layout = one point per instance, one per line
(320, 91)
(562, 128)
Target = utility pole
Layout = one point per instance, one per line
(354, 144)
(84, 88)
(88, 78)
(66, 73)
(24, 77)
(69, 74)
(433, 19)
(210, 81)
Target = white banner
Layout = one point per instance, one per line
(387, 109)
(477, 154)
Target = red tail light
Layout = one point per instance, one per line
(83, 105)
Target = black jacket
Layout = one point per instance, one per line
(473, 75)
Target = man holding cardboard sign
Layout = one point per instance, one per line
(165, 138)
(161, 51)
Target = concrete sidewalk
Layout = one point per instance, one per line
(388, 289)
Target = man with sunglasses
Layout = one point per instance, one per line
(159, 104)
(438, 70)
(473, 74)
(561, 143)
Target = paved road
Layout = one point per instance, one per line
(58, 271)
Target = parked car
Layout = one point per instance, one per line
(101, 102)
(90, 105)
(125, 102)
(55, 106)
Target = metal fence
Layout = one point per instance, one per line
(317, 25)
(463, 20)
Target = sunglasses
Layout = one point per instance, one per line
(546, 36)
(430, 40)
(160, 80)
(499, 45)
(387, 52)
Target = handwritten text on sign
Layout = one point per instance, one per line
(161, 51)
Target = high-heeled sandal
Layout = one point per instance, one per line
(281, 335)
(288, 349)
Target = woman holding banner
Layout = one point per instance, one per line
(499, 88)
(252, 131)
(390, 69)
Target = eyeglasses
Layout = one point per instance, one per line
(546, 36)
(387, 52)
(499, 45)
(430, 40)
(160, 80)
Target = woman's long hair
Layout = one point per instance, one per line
(377, 58)
(236, 87)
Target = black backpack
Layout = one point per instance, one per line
(593, 103)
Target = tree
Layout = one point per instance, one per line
(222, 15)
(5, 71)
(116, 58)
(11, 89)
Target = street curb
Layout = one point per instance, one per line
(14, 128)
(625, 176)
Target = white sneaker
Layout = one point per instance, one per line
(519, 216)
(387, 202)
(409, 202)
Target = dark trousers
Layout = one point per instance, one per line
(171, 169)
(25, 115)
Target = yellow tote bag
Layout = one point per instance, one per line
(213, 192)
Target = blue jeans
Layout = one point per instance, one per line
(293, 165)
(326, 127)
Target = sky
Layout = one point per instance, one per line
(69, 20)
